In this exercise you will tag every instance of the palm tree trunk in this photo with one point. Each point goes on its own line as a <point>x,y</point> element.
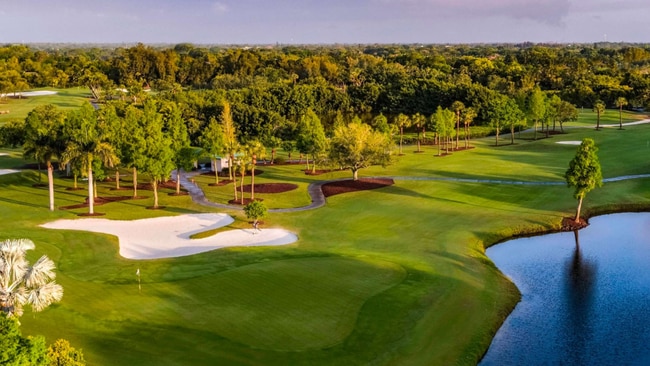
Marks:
<point>135,182</point>
<point>241,185</point>
<point>117,179</point>
<point>178,180</point>
<point>50,183</point>
<point>234,187</point>
<point>457,128</point>
<point>91,196</point>
<point>74,185</point>
<point>253,182</point>
<point>154,184</point>
<point>95,188</point>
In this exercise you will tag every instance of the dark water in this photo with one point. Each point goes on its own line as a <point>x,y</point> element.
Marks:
<point>585,297</point>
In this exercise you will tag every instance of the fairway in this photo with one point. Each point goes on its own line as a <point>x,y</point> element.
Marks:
<point>396,275</point>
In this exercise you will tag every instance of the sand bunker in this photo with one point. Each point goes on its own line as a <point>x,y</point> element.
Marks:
<point>569,142</point>
<point>35,93</point>
<point>166,237</point>
<point>8,171</point>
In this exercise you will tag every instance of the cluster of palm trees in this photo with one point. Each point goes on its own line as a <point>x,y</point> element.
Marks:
<point>152,139</point>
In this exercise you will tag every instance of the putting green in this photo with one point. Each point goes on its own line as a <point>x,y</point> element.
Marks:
<point>293,305</point>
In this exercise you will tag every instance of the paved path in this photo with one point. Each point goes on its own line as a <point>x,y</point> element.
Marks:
<point>318,199</point>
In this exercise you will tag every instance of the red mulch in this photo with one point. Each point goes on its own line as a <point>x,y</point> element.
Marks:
<point>271,187</point>
<point>347,186</point>
<point>246,201</point>
<point>569,224</point>
<point>182,193</point>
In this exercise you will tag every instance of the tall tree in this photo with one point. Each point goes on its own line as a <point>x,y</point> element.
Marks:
<point>444,120</point>
<point>402,121</point>
<point>458,107</point>
<point>468,118</point>
<point>230,135</point>
<point>88,138</point>
<point>537,107</point>
<point>584,173</point>
<point>22,284</point>
<point>254,150</point>
<point>175,128</point>
<point>419,121</point>
<point>213,144</point>
<point>311,137</point>
<point>599,108</point>
<point>620,103</point>
<point>357,146</point>
<point>157,151</point>
<point>44,139</point>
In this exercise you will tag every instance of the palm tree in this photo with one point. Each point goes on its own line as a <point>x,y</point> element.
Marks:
<point>88,136</point>
<point>458,108</point>
<point>620,103</point>
<point>254,150</point>
<point>402,121</point>
<point>43,139</point>
<point>21,284</point>
<point>599,108</point>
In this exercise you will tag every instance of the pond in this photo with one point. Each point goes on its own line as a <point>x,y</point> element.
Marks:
<point>585,296</point>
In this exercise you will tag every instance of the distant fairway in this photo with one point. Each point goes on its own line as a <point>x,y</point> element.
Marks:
<point>19,107</point>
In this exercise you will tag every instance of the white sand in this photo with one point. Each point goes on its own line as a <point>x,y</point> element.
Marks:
<point>8,171</point>
<point>166,237</point>
<point>569,142</point>
<point>35,93</point>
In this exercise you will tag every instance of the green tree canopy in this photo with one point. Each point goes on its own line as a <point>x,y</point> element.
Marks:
<point>357,146</point>
<point>584,173</point>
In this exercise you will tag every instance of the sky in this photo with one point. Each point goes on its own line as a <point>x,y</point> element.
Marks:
<point>323,21</point>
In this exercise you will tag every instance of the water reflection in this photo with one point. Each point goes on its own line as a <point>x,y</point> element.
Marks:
<point>585,296</point>
<point>579,292</point>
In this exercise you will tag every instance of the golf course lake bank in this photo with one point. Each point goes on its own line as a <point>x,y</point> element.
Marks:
<point>584,296</point>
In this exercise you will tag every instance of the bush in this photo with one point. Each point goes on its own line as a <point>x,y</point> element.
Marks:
<point>62,354</point>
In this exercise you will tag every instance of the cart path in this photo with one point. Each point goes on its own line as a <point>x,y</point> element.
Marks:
<point>318,198</point>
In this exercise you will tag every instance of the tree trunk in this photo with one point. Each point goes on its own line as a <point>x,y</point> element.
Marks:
<point>497,137</point>
<point>466,136</point>
<point>94,188</point>
<point>234,186</point>
<point>355,174</point>
<point>401,136</point>
<point>457,127</point>
<point>178,181</point>
<point>154,184</point>
<point>535,135</point>
<point>91,196</point>
<point>313,164</point>
<point>419,141</point>
<point>241,186</point>
<point>50,183</point>
<point>598,120</point>
<point>307,168</point>
<point>135,182</point>
<point>512,134</point>
<point>577,219</point>
<point>272,155</point>
<point>117,179</point>
<point>216,172</point>
<point>74,185</point>
<point>620,117</point>
<point>253,182</point>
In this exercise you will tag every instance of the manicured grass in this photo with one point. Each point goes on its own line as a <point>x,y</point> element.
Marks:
<point>65,99</point>
<point>587,117</point>
<point>390,276</point>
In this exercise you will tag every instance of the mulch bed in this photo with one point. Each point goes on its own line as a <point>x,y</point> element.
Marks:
<point>182,193</point>
<point>100,201</point>
<point>347,186</point>
<point>569,224</point>
<point>271,187</point>
<point>170,184</point>
<point>246,201</point>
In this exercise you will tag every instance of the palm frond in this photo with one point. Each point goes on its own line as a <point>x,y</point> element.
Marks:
<point>40,272</point>
<point>43,296</point>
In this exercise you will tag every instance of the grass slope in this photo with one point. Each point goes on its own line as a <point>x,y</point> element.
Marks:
<point>390,276</point>
<point>64,98</point>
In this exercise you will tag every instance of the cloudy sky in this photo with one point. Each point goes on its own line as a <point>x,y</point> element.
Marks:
<point>323,21</point>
